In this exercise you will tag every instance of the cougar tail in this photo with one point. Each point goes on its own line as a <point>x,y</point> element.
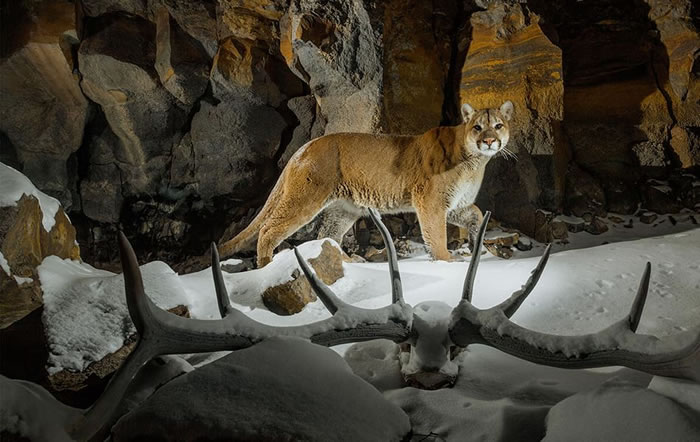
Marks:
<point>246,235</point>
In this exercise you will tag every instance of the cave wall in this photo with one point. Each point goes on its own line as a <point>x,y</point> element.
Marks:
<point>173,118</point>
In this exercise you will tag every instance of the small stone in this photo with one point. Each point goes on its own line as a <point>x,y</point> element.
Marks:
<point>524,244</point>
<point>292,296</point>
<point>356,258</point>
<point>375,255</point>
<point>648,217</point>
<point>234,268</point>
<point>500,251</point>
<point>596,226</point>
<point>616,219</point>
<point>504,239</point>
<point>560,230</point>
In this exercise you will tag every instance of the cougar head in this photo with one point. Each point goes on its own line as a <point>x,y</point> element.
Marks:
<point>488,130</point>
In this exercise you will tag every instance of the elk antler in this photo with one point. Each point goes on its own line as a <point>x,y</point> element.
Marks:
<point>161,332</point>
<point>675,356</point>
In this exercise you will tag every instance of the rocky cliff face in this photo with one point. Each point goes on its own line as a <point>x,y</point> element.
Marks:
<point>173,118</point>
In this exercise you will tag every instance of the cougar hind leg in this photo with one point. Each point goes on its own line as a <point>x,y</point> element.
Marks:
<point>337,219</point>
<point>286,218</point>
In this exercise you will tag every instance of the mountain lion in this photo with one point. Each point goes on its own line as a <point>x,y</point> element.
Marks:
<point>436,174</point>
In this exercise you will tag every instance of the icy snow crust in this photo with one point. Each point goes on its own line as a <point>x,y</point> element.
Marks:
<point>13,185</point>
<point>496,396</point>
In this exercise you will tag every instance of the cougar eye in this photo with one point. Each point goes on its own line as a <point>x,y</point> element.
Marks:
<point>499,126</point>
<point>477,128</point>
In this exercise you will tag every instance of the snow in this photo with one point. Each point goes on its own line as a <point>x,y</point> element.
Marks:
<point>585,288</point>
<point>680,390</point>
<point>618,411</point>
<point>4,265</point>
<point>13,185</point>
<point>23,280</point>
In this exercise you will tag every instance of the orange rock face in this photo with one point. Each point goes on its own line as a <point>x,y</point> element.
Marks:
<point>24,244</point>
<point>511,58</point>
<point>416,62</point>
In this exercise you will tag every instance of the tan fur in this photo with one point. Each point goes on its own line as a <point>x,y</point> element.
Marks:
<point>437,174</point>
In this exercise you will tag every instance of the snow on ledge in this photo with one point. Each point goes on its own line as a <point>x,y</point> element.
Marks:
<point>4,265</point>
<point>13,185</point>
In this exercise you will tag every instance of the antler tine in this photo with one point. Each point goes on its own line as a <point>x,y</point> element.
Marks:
<point>512,304</point>
<point>329,299</point>
<point>219,286</point>
<point>396,287</point>
<point>468,288</point>
<point>638,305</point>
<point>95,422</point>
<point>136,299</point>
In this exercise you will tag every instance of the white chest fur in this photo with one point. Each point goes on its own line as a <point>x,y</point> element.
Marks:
<point>465,189</point>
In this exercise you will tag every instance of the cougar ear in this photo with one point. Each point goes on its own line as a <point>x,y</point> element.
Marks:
<point>506,110</point>
<point>467,112</point>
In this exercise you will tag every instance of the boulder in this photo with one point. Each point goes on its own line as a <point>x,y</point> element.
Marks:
<point>233,146</point>
<point>87,325</point>
<point>316,397</point>
<point>181,61</point>
<point>251,19</point>
<point>94,8</point>
<point>24,243</point>
<point>584,194</point>
<point>416,63</point>
<point>117,64</point>
<point>674,21</point>
<point>311,125</point>
<point>83,387</point>
<point>686,145</point>
<point>198,19</point>
<point>249,69</point>
<point>42,111</point>
<point>101,189</point>
<point>341,64</point>
<point>292,296</point>
<point>597,414</point>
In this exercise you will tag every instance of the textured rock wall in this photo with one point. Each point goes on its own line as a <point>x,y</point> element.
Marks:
<point>173,118</point>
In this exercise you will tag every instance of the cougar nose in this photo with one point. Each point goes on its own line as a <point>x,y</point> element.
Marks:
<point>489,141</point>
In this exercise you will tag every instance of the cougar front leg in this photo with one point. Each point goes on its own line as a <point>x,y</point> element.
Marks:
<point>433,226</point>
<point>467,216</point>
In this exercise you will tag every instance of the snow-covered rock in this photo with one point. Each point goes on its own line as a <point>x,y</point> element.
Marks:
<point>14,185</point>
<point>279,389</point>
<point>85,312</point>
<point>28,410</point>
<point>621,412</point>
<point>32,226</point>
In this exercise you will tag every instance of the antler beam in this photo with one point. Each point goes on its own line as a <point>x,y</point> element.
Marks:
<point>675,356</point>
<point>161,332</point>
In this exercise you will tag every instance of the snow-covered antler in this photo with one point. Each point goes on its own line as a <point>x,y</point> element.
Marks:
<point>675,356</point>
<point>161,332</point>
